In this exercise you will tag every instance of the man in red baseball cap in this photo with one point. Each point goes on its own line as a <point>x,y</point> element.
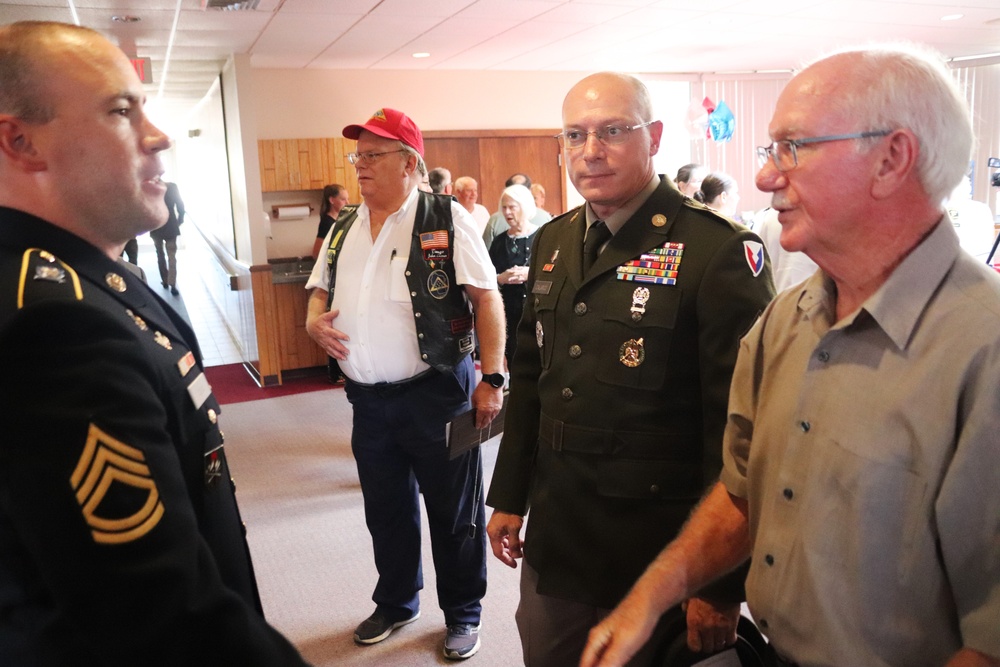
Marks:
<point>406,266</point>
<point>390,124</point>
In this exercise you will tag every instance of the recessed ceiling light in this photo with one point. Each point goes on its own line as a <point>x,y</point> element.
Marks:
<point>126,18</point>
<point>421,54</point>
<point>952,17</point>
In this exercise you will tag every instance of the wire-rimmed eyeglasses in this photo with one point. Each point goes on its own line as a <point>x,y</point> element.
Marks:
<point>784,152</point>
<point>611,135</point>
<point>370,156</point>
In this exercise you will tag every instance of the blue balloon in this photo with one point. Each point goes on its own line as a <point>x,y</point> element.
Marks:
<point>721,123</point>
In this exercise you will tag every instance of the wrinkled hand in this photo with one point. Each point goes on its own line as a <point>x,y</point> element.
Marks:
<point>487,401</point>
<point>613,641</point>
<point>320,329</point>
<point>711,626</point>
<point>504,530</point>
<point>515,275</point>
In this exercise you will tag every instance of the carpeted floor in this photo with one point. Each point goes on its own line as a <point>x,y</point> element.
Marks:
<point>299,495</point>
<point>232,383</point>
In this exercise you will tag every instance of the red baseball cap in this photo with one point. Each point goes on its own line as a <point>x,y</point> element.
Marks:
<point>390,124</point>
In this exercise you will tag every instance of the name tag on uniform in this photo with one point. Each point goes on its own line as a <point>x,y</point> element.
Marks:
<point>199,390</point>
<point>541,287</point>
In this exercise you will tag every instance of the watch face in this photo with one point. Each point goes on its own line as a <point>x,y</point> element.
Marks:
<point>495,380</point>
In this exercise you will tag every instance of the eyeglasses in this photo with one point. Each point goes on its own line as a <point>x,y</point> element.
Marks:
<point>785,155</point>
<point>612,135</point>
<point>369,157</point>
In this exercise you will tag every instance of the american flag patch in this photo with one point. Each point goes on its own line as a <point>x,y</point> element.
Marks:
<point>438,239</point>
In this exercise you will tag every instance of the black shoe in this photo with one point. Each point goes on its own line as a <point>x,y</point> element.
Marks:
<point>164,283</point>
<point>173,290</point>
<point>377,627</point>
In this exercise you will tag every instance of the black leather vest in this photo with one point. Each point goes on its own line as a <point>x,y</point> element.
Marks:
<point>441,312</point>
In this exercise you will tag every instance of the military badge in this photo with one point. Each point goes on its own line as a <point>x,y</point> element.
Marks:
<point>754,253</point>
<point>639,298</point>
<point>632,352</point>
<point>213,466</point>
<point>115,282</point>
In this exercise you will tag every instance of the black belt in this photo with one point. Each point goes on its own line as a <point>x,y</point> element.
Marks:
<point>387,389</point>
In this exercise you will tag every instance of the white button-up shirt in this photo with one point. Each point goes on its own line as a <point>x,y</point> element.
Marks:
<point>372,295</point>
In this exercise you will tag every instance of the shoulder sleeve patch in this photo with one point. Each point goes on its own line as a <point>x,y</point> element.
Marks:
<point>115,489</point>
<point>44,275</point>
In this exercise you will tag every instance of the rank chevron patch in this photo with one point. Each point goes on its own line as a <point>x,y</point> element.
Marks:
<point>115,489</point>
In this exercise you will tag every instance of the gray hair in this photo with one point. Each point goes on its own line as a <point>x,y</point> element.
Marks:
<point>909,86</point>
<point>421,165</point>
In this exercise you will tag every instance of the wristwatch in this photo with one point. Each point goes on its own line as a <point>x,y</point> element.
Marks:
<point>495,380</point>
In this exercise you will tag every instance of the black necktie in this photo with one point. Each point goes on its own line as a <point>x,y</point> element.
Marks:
<point>597,235</point>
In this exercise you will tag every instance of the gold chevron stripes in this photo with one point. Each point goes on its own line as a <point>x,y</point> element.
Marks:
<point>110,470</point>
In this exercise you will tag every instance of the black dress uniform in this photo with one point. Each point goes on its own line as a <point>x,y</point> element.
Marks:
<point>120,539</point>
<point>619,388</point>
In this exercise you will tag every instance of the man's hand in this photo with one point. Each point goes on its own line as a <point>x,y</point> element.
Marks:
<point>319,326</point>
<point>487,401</point>
<point>613,641</point>
<point>504,530</point>
<point>711,627</point>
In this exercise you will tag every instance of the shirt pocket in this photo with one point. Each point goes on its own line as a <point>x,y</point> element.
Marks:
<point>638,343</point>
<point>399,290</point>
<point>869,510</point>
<point>545,295</point>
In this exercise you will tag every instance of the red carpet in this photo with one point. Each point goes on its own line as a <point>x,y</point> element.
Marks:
<point>232,383</point>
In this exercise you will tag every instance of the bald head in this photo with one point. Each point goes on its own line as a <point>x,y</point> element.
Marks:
<point>602,86</point>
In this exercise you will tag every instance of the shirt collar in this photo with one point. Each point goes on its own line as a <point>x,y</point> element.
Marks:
<point>617,220</point>
<point>898,304</point>
<point>902,299</point>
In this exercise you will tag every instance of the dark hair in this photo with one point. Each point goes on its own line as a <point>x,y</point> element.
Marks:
<point>513,180</point>
<point>329,191</point>
<point>684,173</point>
<point>714,185</point>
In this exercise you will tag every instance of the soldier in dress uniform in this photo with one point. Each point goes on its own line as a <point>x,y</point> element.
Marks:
<point>120,539</point>
<point>619,379</point>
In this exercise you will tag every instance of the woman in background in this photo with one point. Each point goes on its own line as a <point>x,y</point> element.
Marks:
<point>719,192</point>
<point>334,199</point>
<point>510,253</point>
<point>689,177</point>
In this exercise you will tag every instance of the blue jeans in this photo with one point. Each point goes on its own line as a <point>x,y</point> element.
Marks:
<point>400,449</point>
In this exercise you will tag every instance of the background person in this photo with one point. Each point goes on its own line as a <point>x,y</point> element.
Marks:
<point>720,193</point>
<point>689,178</point>
<point>498,225</point>
<point>165,238</point>
<point>510,254</point>
<point>467,194</point>
<point>120,539</point>
<point>391,302</point>
<point>862,428</point>
<point>439,179</point>
<point>538,193</point>
<point>334,200</point>
<point>619,382</point>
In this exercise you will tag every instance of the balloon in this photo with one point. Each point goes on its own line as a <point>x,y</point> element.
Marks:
<point>721,123</point>
<point>696,120</point>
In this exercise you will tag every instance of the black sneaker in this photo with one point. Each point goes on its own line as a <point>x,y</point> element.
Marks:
<point>462,641</point>
<point>173,290</point>
<point>377,627</point>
